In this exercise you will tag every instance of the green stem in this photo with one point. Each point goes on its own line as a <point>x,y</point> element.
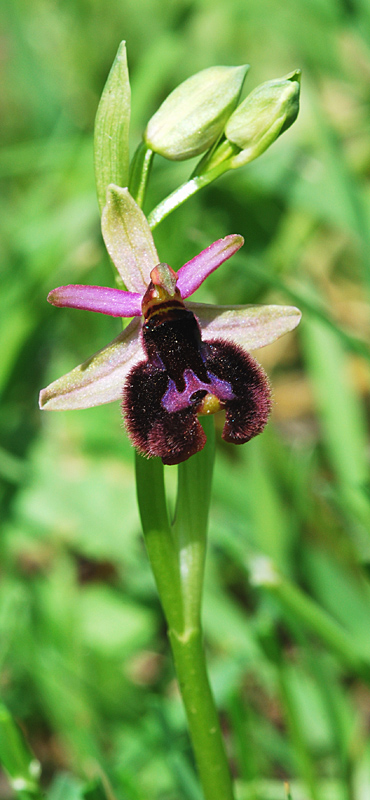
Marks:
<point>191,522</point>
<point>177,558</point>
<point>186,190</point>
<point>220,153</point>
<point>211,166</point>
<point>158,537</point>
<point>202,717</point>
<point>139,172</point>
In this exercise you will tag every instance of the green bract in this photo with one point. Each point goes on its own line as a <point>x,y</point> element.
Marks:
<point>111,136</point>
<point>194,115</point>
<point>266,113</point>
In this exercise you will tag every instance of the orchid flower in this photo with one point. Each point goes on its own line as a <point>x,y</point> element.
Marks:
<point>175,360</point>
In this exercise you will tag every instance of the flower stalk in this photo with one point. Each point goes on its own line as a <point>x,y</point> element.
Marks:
<point>177,556</point>
<point>139,172</point>
<point>191,523</point>
<point>183,193</point>
<point>204,726</point>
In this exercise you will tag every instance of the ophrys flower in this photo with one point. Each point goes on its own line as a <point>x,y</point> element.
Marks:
<point>175,360</point>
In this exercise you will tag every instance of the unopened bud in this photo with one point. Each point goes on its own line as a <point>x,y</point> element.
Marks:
<point>264,115</point>
<point>194,115</point>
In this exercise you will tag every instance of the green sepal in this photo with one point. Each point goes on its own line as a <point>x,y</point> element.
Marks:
<point>128,239</point>
<point>101,378</point>
<point>250,327</point>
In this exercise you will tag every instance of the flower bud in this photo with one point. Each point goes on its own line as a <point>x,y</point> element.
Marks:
<point>193,116</point>
<point>266,113</point>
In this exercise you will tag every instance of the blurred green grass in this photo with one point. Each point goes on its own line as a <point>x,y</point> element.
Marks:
<point>84,663</point>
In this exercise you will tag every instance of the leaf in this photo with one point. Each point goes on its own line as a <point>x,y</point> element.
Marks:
<point>20,764</point>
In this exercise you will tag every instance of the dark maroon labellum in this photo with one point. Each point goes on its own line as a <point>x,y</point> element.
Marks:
<point>184,377</point>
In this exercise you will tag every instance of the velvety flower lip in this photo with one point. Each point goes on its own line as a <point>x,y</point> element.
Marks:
<point>175,360</point>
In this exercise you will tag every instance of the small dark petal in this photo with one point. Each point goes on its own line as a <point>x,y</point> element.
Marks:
<point>247,413</point>
<point>173,437</point>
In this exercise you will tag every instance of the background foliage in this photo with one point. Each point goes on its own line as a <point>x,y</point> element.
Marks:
<point>84,663</point>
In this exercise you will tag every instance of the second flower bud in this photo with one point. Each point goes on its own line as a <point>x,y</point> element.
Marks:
<point>264,115</point>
